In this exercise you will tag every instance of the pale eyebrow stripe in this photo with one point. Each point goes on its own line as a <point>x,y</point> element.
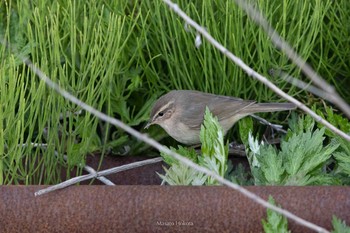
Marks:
<point>162,109</point>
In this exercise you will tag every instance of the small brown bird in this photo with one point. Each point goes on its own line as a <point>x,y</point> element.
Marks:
<point>181,112</point>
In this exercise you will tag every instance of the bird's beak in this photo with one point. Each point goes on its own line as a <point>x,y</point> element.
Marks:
<point>148,125</point>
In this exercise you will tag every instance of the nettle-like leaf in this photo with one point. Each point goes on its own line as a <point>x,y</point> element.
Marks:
<point>272,165</point>
<point>339,226</point>
<point>300,124</point>
<point>180,174</point>
<point>214,151</point>
<point>343,162</point>
<point>301,146</point>
<point>342,156</point>
<point>275,222</point>
<point>212,164</point>
<point>299,161</point>
<point>189,153</point>
<point>324,153</point>
<point>305,155</point>
<point>337,120</point>
<point>254,148</point>
<point>253,153</point>
<point>214,157</point>
<point>245,126</point>
<point>239,175</point>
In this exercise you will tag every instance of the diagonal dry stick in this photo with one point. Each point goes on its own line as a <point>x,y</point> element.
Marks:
<point>302,85</point>
<point>97,175</point>
<point>281,44</point>
<point>252,72</point>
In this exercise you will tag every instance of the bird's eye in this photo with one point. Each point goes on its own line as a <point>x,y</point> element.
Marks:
<point>161,114</point>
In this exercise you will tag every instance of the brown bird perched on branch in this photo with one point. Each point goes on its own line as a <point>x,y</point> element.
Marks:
<point>181,112</point>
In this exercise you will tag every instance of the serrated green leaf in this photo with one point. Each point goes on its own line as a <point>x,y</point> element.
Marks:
<point>292,152</point>
<point>319,158</point>
<point>189,153</point>
<point>300,124</point>
<point>214,151</point>
<point>335,119</point>
<point>304,148</point>
<point>300,160</point>
<point>180,174</point>
<point>275,222</point>
<point>239,175</point>
<point>339,226</point>
<point>343,161</point>
<point>271,165</point>
<point>245,126</point>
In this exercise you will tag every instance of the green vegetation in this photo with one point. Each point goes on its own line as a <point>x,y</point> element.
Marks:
<point>119,56</point>
<point>339,226</point>
<point>213,156</point>
<point>300,161</point>
<point>306,157</point>
<point>277,223</point>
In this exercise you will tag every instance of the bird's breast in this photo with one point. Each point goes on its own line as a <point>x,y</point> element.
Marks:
<point>181,133</point>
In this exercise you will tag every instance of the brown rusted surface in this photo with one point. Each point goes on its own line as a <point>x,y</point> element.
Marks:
<point>162,208</point>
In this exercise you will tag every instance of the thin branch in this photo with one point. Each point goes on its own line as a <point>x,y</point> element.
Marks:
<point>281,44</point>
<point>103,179</point>
<point>303,85</point>
<point>91,171</point>
<point>278,128</point>
<point>106,172</point>
<point>253,73</point>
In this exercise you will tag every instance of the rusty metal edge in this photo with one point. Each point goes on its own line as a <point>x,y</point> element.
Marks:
<point>162,208</point>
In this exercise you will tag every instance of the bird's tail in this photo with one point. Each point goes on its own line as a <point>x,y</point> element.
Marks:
<point>270,107</point>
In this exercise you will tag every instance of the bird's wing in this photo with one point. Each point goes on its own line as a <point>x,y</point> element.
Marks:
<point>222,107</point>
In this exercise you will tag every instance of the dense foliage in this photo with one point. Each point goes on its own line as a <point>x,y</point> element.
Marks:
<point>119,56</point>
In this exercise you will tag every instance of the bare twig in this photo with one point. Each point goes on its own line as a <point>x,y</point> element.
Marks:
<point>281,44</point>
<point>100,178</point>
<point>97,174</point>
<point>304,86</point>
<point>278,128</point>
<point>253,73</point>
<point>91,171</point>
